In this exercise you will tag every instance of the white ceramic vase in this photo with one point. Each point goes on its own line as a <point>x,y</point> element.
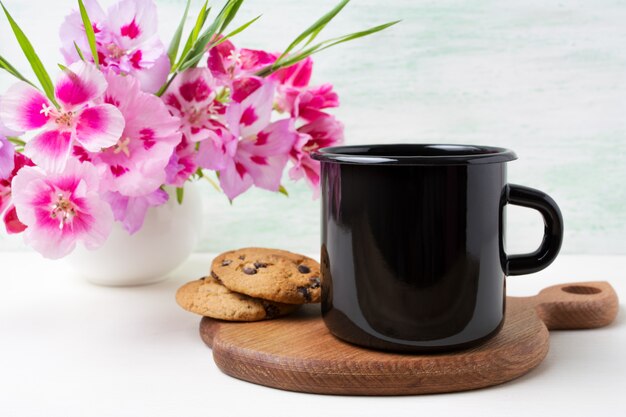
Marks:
<point>169,234</point>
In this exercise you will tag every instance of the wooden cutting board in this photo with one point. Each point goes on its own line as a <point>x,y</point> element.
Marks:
<point>298,353</point>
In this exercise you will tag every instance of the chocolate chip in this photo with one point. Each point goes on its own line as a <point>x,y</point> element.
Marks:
<point>249,270</point>
<point>304,291</point>
<point>258,264</point>
<point>271,310</point>
<point>303,269</point>
<point>242,257</point>
<point>315,282</point>
<point>215,277</point>
<point>202,279</point>
<point>226,262</point>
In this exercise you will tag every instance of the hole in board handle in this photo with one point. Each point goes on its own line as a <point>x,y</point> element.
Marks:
<point>581,289</point>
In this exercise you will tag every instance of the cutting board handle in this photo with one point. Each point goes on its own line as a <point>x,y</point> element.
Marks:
<point>580,305</point>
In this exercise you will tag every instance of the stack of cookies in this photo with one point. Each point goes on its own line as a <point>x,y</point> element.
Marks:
<point>253,284</point>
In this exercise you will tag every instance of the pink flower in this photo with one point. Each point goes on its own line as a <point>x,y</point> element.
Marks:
<point>6,157</point>
<point>135,164</point>
<point>131,211</point>
<point>296,75</point>
<point>307,102</point>
<point>192,97</point>
<point>262,148</point>
<point>182,163</point>
<point>126,38</point>
<point>77,120</point>
<point>11,222</point>
<point>62,209</point>
<point>322,132</point>
<point>227,62</point>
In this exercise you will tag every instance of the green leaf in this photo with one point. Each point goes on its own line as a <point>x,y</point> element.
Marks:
<point>283,191</point>
<point>230,15</point>
<point>91,36</point>
<point>193,35</point>
<point>316,27</point>
<point>80,53</point>
<point>282,63</point>
<point>180,193</point>
<point>5,65</point>
<point>33,59</point>
<point>198,49</point>
<point>235,32</point>
<point>172,51</point>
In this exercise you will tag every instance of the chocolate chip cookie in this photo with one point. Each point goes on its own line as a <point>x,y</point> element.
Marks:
<point>208,297</point>
<point>270,274</point>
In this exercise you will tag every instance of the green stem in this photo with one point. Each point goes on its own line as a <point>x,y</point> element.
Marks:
<point>166,85</point>
<point>16,141</point>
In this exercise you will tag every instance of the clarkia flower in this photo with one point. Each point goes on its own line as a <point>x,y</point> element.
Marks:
<point>62,209</point>
<point>77,120</point>
<point>228,62</point>
<point>262,147</point>
<point>135,164</point>
<point>182,164</point>
<point>193,97</point>
<point>6,157</point>
<point>322,132</point>
<point>126,40</point>
<point>307,103</point>
<point>131,211</point>
<point>297,75</point>
<point>11,222</point>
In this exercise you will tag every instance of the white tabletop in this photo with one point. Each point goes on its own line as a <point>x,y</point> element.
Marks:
<point>69,348</point>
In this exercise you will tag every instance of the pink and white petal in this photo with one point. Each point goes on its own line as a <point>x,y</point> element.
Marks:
<point>131,211</point>
<point>12,223</point>
<point>235,179</point>
<point>277,138</point>
<point>255,59</point>
<point>243,87</point>
<point>266,171</point>
<point>80,83</point>
<point>52,243</point>
<point>215,152</point>
<point>154,77</point>
<point>27,187</point>
<point>132,21</point>
<point>120,90</point>
<point>21,107</point>
<point>255,110</point>
<point>99,127</point>
<point>86,176</point>
<point>7,159</point>
<point>309,169</point>
<point>5,131</point>
<point>217,61</point>
<point>324,131</point>
<point>72,30</point>
<point>100,222</point>
<point>296,75</point>
<point>135,179</point>
<point>50,150</point>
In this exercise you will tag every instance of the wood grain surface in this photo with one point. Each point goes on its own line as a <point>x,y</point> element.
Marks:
<point>298,353</point>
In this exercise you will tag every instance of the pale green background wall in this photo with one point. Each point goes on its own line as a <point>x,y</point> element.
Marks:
<point>546,78</point>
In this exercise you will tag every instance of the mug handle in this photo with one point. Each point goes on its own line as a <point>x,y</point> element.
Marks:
<point>552,235</point>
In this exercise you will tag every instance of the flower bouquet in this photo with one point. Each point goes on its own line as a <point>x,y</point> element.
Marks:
<point>127,117</point>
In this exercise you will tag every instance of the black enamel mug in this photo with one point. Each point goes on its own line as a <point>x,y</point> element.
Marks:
<point>413,255</point>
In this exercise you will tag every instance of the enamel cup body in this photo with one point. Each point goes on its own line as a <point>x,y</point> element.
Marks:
<point>413,257</point>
